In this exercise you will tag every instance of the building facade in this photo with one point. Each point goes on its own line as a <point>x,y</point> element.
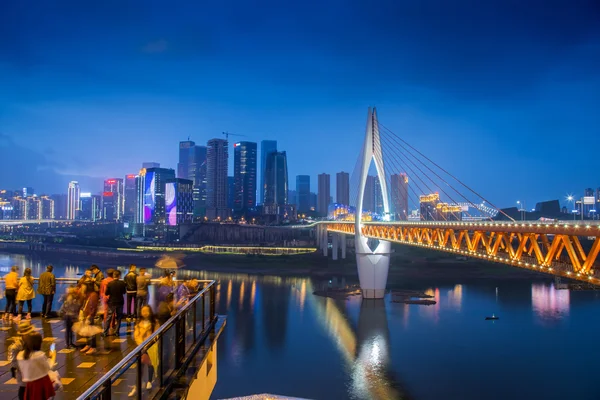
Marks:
<point>73,205</point>
<point>399,194</point>
<point>216,179</point>
<point>342,183</point>
<point>130,195</point>
<point>324,194</point>
<point>244,175</point>
<point>154,194</point>
<point>179,201</point>
<point>114,195</point>
<point>266,147</point>
<point>303,193</point>
<point>276,183</point>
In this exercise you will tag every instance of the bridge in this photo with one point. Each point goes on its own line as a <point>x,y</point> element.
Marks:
<point>444,222</point>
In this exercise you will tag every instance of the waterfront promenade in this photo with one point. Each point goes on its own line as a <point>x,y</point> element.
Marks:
<point>78,371</point>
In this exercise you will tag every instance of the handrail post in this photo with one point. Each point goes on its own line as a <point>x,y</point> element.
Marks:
<point>139,377</point>
<point>212,302</point>
<point>160,360</point>
<point>203,311</point>
<point>106,392</point>
<point>195,308</point>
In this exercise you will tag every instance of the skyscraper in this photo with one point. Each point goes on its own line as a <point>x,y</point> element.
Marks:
<point>276,182</point>
<point>216,179</point>
<point>60,205</point>
<point>378,196</point>
<point>186,158</point>
<point>197,174</point>
<point>46,207</point>
<point>113,210</point>
<point>244,175</point>
<point>342,193</point>
<point>399,189</point>
<point>369,196</point>
<point>303,193</point>
<point>323,194</point>
<point>179,201</point>
<point>266,147</point>
<point>91,207</point>
<point>130,198</point>
<point>154,194</point>
<point>73,200</point>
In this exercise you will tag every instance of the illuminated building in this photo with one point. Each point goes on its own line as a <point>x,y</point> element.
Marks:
<point>154,194</point>
<point>73,200</point>
<point>130,194</point>
<point>185,159</point>
<point>60,206</point>
<point>91,207</point>
<point>276,183</point>
<point>217,156</point>
<point>179,201</point>
<point>34,208</point>
<point>197,174</point>
<point>432,209</point>
<point>323,194</point>
<point>341,212</point>
<point>342,183</point>
<point>266,147</point>
<point>378,196</point>
<point>113,210</point>
<point>303,193</point>
<point>28,192</point>
<point>244,175</point>
<point>399,194</point>
<point>19,206</point>
<point>140,180</point>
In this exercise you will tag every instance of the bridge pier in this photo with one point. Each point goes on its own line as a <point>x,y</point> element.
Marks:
<point>335,239</point>
<point>343,238</point>
<point>324,241</point>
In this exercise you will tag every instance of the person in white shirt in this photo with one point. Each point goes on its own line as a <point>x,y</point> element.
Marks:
<point>35,366</point>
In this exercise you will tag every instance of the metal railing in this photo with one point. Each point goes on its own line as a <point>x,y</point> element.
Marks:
<point>183,332</point>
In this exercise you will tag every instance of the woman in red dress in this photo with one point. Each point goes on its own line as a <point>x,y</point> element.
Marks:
<point>34,367</point>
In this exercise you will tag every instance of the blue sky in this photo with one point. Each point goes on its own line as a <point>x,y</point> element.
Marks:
<point>505,94</point>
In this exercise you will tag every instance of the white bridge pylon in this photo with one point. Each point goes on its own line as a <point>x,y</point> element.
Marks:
<point>373,265</point>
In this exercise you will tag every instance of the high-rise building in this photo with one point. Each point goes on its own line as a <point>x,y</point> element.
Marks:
<point>230,192</point>
<point>186,158</point>
<point>34,208</point>
<point>342,183</point>
<point>197,175</point>
<point>292,198</point>
<point>154,194</point>
<point>113,210</point>
<point>179,201</point>
<point>28,192</point>
<point>266,147</point>
<point>588,206</point>
<point>150,165</point>
<point>73,200</point>
<point>313,201</point>
<point>244,174</point>
<point>140,191</point>
<point>60,206</point>
<point>276,183</point>
<point>369,196</point>
<point>216,179</point>
<point>129,198</point>
<point>19,207</point>
<point>323,194</point>
<point>91,207</point>
<point>303,193</point>
<point>378,196</point>
<point>46,207</point>
<point>399,189</point>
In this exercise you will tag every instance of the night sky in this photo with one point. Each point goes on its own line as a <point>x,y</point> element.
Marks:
<point>505,94</point>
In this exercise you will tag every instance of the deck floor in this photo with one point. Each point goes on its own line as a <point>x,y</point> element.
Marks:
<point>78,371</point>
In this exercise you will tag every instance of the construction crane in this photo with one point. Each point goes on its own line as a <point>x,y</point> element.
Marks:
<point>232,134</point>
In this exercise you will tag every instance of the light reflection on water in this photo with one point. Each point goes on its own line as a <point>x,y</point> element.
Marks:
<point>280,338</point>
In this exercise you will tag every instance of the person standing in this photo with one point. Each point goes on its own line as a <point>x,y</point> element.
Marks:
<point>98,276</point>
<point>47,288</point>
<point>90,308</point>
<point>103,296</point>
<point>142,282</point>
<point>116,290</point>
<point>69,312</point>
<point>131,284</point>
<point>35,366</point>
<point>11,281</point>
<point>25,293</point>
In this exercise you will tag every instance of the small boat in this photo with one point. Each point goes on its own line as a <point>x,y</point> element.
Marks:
<point>492,318</point>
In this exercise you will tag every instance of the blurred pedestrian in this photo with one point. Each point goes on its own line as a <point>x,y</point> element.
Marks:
<point>25,328</point>
<point>103,296</point>
<point>116,290</point>
<point>142,282</point>
<point>69,312</point>
<point>131,285</point>
<point>98,276</point>
<point>35,366</point>
<point>144,328</point>
<point>11,283</point>
<point>47,288</point>
<point>25,293</point>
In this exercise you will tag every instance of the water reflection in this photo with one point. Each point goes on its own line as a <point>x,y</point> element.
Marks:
<point>548,303</point>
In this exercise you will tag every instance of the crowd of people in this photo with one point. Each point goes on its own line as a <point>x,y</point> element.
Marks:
<point>94,294</point>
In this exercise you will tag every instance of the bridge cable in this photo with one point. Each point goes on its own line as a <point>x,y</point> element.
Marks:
<point>448,173</point>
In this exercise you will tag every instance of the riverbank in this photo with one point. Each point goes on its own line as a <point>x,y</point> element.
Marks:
<point>407,263</point>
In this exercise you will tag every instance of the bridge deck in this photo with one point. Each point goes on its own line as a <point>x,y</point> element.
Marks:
<point>78,371</point>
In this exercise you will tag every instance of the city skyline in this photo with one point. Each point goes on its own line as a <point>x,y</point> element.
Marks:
<point>511,93</point>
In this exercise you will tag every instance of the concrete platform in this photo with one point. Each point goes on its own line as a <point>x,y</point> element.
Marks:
<point>78,371</point>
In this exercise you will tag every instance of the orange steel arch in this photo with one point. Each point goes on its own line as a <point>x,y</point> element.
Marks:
<point>551,248</point>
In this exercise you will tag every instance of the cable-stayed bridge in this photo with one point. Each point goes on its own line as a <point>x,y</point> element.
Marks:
<point>418,202</point>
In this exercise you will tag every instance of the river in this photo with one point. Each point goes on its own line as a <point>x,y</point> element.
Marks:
<point>282,339</point>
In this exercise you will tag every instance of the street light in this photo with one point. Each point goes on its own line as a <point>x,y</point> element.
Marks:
<point>571,199</point>
<point>521,209</point>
